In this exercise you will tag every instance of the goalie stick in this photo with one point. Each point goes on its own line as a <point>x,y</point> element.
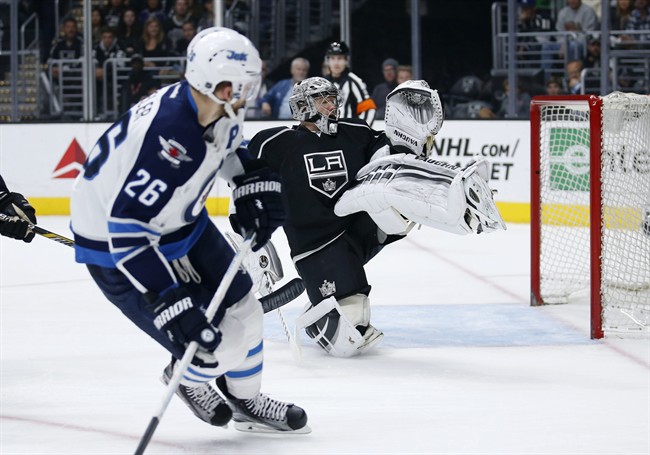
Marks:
<point>270,302</point>
<point>44,232</point>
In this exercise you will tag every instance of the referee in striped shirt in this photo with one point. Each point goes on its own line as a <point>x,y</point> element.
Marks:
<point>355,100</point>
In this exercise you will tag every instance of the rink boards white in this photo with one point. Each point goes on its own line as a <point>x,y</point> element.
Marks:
<point>42,160</point>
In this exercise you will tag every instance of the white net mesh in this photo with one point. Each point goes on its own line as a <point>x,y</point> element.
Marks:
<point>625,201</point>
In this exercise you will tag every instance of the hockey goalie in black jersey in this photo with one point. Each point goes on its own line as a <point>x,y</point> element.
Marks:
<point>351,190</point>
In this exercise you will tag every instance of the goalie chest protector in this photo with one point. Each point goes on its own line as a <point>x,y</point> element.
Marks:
<point>316,170</point>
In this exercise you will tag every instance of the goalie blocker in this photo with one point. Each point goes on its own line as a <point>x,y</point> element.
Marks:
<point>400,188</point>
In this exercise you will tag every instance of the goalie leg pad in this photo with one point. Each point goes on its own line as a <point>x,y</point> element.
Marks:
<point>341,328</point>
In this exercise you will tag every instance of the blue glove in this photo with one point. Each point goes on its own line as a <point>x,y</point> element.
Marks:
<point>178,316</point>
<point>258,203</point>
<point>22,214</point>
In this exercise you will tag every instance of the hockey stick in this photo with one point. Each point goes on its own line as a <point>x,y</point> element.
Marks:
<point>43,232</point>
<point>182,365</point>
<point>296,351</point>
<point>283,295</point>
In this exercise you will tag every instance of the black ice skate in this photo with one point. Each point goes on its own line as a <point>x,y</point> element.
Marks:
<point>204,401</point>
<point>263,414</point>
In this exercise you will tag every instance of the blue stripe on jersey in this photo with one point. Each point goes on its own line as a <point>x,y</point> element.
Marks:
<point>256,349</point>
<point>119,227</point>
<point>245,373</point>
<point>172,246</point>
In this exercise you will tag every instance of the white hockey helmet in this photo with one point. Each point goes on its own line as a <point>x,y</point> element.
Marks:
<point>219,54</point>
<point>305,100</point>
<point>413,116</point>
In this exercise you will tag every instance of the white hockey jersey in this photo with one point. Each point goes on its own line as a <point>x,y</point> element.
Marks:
<point>140,200</point>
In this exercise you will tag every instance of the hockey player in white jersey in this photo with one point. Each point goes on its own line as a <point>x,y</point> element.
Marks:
<point>141,227</point>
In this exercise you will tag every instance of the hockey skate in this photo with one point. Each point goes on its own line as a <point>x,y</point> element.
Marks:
<point>204,401</point>
<point>263,414</point>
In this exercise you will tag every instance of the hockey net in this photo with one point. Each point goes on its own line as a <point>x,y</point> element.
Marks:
<point>590,207</point>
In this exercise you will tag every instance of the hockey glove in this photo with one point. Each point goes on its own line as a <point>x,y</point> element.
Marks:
<point>179,317</point>
<point>22,215</point>
<point>258,203</point>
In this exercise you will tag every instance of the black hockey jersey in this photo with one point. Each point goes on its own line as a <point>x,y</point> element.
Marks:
<point>316,169</point>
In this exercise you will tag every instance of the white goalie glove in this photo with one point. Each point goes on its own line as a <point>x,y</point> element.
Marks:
<point>263,265</point>
<point>403,187</point>
<point>413,117</point>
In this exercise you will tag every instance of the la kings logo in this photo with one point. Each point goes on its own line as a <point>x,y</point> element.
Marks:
<point>327,172</point>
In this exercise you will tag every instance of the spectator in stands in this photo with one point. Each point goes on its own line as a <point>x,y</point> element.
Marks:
<point>592,59</point>
<point>554,86</point>
<point>620,14</point>
<point>153,8</point>
<point>174,24</point>
<point>195,8</point>
<point>379,93</point>
<point>69,46</point>
<point>129,31</point>
<point>107,48</point>
<point>404,73</point>
<point>154,43</point>
<point>639,19</point>
<point>355,99</point>
<point>275,103</point>
<point>206,19</point>
<point>189,32</point>
<point>113,12</point>
<point>522,102</point>
<point>532,21</point>
<point>141,83</point>
<point>575,17</point>
<point>97,21</point>
<point>573,83</point>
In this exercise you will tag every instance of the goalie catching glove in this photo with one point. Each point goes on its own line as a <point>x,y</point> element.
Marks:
<point>21,214</point>
<point>405,187</point>
<point>258,202</point>
<point>413,117</point>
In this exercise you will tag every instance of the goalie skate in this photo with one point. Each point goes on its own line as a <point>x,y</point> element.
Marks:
<point>204,401</point>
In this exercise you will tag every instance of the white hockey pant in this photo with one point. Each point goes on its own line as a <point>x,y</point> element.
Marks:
<point>401,187</point>
<point>240,354</point>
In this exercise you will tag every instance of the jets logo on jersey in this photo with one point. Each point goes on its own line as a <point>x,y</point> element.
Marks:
<point>173,152</point>
<point>327,172</point>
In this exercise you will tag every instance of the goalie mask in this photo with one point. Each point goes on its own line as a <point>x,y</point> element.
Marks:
<point>316,100</point>
<point>413,117</point>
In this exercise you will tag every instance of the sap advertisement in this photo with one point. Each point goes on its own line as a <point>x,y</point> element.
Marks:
<point>42,160</point>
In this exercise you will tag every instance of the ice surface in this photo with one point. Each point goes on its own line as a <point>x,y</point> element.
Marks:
<point>466,366</point>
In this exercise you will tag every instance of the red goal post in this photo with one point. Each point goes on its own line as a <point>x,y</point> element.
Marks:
<point>590,207</point>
